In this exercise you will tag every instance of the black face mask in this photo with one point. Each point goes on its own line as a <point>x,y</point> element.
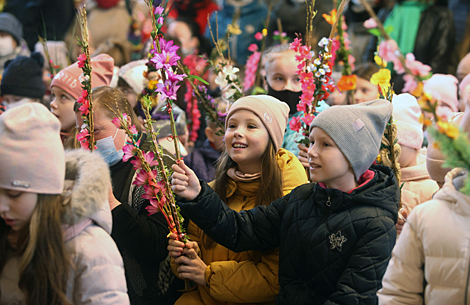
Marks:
<point>291,98</point>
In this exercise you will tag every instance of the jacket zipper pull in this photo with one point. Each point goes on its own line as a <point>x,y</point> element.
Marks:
<point>328,202</point>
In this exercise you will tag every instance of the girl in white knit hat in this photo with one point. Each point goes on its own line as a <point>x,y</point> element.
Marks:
<point>55,218</point>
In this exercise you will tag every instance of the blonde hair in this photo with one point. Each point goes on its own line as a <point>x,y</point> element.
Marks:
<point>273,53</point>
<point>44,262</point>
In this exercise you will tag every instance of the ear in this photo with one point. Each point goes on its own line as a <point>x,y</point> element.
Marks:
<point>209,134</point>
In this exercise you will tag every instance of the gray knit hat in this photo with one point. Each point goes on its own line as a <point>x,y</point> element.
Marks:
<point>357,130</point>
<point>11,25</point>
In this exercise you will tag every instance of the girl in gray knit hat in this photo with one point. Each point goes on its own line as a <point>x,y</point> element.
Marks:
<point>336,235</point>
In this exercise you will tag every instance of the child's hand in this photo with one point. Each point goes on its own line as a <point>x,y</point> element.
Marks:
<point>185,183</point>
<point>303,155</point>
<point>402,216</point>
<point>178,248</point>
<point>192,267</point>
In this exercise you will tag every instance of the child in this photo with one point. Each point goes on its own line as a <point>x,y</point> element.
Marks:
<point>365,90</point>
<point>141,239</point>
<point>131,80</point>
<point>418,187</point>
<point>12,43</point>
<point>283,82</point>
<point>335,236</point>
<point>202,159</point>
<point>66,89</point>
<point>56,247</point>
<point>22,81</point>
<point>252,171</point>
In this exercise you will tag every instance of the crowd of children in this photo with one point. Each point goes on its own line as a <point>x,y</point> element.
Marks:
<point>273,214</point>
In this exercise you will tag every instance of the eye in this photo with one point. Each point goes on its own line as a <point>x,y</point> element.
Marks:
<point>252,126</point>
<point>312,142</point>
<point>326,144</point>
<point>13,194</point>
<point>64,97</point>
<point>231,125</point>
<point>278,79</point>
<point>297,79</point>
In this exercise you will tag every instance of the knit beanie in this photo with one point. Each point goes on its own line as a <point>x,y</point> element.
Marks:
<point>357,130</point>
<point>32,158</point>
<point>463,69</point>
<point>133,74</point>
<point>12,26</point>
<point>406,113</point>
<point>101,74</point>
<point>435,158</point>
<point>23,77</point>
<point>271,111</point>
<point>57,52</point>
<point>443,88</point>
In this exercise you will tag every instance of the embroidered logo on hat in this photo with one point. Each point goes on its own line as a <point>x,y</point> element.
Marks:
<point>268,118</point>
<point>357,125</point>
<point>19,183</point>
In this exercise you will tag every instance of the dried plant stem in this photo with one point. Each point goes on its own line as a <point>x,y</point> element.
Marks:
<point>263,45</point>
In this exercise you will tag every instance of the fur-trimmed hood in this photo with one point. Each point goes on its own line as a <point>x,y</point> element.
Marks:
<point>87,185</point>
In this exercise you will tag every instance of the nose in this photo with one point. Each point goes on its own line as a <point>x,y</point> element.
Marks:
<point>53,104</point>
<point>288,85</point>
<point>239,132</point>
<point>357,96</point>
<point>312,151</point>
<point>4,207</point>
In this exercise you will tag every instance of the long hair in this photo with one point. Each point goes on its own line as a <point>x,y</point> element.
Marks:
<point>43,260</point>
<point>270,187</point>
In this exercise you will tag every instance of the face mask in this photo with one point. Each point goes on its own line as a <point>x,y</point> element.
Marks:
<point>9,106</point>
<point>107,150</point>
<point>6,45</point>
<point>291,98</point>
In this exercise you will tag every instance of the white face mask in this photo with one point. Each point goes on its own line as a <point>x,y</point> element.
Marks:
<point>6,45</point>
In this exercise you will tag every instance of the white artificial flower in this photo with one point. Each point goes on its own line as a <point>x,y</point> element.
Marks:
<point>221,79</point>
<point>318,74</point>
<point>229,93</point>
<point>317,61</point>
<point>322,72</point>
<point>230,71</point>
<point>323,42</point>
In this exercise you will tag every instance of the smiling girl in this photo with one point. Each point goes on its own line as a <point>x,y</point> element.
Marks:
<point>55,218</point>
<point>252,171</point>
<point>335,236</point>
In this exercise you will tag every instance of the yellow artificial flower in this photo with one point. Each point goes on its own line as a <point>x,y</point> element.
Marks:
<point>330,18</point>
<point>379,61</point>
<point>418,90</point>
<point>153,84</point>
<point>424,121</point>
<point>265,32</point>
<point>425,101</point>
<point>234,30</point>
<point>448,129</point>
<point>379,159</point>
<point>382,78</point>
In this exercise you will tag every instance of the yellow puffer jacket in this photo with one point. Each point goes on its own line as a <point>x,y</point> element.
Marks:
<point>249,277</point>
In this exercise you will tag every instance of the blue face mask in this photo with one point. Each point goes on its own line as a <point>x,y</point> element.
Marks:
<point>108,151</point>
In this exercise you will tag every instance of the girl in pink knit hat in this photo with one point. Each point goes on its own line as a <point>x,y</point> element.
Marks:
<point>252,171</point>
<point>66,89</point>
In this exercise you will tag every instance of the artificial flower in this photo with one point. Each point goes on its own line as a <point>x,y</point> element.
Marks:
<point>308,118</point>
<point>234,29</point>
<point>347,82</point>
<point>221,79</point>
<point>387,49</point>
<point>158,10</point>
<point>129,151</point>
<point>295,45</point>
<point>166,46</point>
<point>370,23</point>
<point>230,72</point>
<point>331,18</point>
<point>168,89</point>
<point>229,93</point>
<point>295,124</point>
<point>323,42</point>
<point>164,59</point>
<point>448,129</point>
<point>253,47</point>
<point>416,67</point>
<point>81,60</point>
<point>84,108</point>
<point>258,36</point>
<point>410,83</point>
<point>116,122</point>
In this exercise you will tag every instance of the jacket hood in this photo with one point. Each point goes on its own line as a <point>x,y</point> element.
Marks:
<point>87,184</point>
<point>451,194</point>
<point>381,191</point>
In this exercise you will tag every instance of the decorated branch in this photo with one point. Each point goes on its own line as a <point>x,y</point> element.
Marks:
<point>415,71</point>
<point>452,141</point>
<point>152,173</point>
<point>52,67</point>
<point>86,135</point>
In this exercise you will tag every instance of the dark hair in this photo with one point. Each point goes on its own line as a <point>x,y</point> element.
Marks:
<point>204,45</point>
<point>44,262</point>
<point>366,70</point>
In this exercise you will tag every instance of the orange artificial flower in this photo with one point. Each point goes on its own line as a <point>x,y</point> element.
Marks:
<point>347,82</point>
<point>418,91</point>
<point>448,129</point>
<point>424,121</point>
<point>330,18</point>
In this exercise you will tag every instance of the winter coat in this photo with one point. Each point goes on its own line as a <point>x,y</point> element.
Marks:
<point>431,261</point>
<point>334,246</point>
<point>202,161</point>
<point>418,187</point>
<point>97,272</point>
<point>142,239</point>
<point>247,277</point>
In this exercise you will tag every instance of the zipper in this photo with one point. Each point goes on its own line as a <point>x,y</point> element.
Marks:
<point>328,202</point>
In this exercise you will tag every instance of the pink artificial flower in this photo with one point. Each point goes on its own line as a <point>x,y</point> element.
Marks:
<point>295,45</point>
<point>308,118</point>
<point>387,50</point>
<point>258,36</point>
<point>84,108</point>
<point>116,122</point>
<point>133,130</point>
<point>81,60</point>
<point>141,178</point>
<point>351,60</point>
<point>444,112</point>
<point>83,97</point>
<point>308,87</point>
<point>164,59</point>
<point>276,33</point>
<point>152,209</point>
<point>158,10</point>
<point>306,77</point>
<point>334,47</point>
<point>82,137</point>
<point>370,23</point>
<point>168,89</point>
<point>174,77</point>
<point>397,66</point>
<point>166,46</point>
<point>416,67</point>
<point>410,83</point>
<point>295,124</point>
<point>305,52</point>
<point>129,152</point>
<point>306,98</point>
<point>253,47</point>
<point>160,20</point>
<point>148,157</point>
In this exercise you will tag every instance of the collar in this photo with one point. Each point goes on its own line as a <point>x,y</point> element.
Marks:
<point>363,180</point>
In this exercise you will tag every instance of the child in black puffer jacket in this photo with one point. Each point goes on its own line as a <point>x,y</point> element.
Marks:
<point>335,236</point>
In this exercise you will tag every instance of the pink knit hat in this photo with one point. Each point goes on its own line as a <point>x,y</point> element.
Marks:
<point>463,69</point>
<point>101,74</point>
<point>271,111</point>
<point>406,113</point>
<point>435,159</point>
<point>32,157</point>
<point>443,88</point>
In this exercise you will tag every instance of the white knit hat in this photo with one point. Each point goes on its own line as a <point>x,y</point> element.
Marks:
<point>406,113</point>
<point>32,155</point>
<point>133,74</point>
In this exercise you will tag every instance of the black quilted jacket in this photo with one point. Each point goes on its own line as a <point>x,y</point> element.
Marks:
<point>334,246</point>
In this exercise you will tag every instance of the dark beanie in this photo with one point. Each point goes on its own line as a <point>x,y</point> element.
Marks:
<point>11,25</point>
<point>23,77</point>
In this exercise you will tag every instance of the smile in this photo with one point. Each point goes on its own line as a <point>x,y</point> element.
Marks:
<point>238,145</point>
